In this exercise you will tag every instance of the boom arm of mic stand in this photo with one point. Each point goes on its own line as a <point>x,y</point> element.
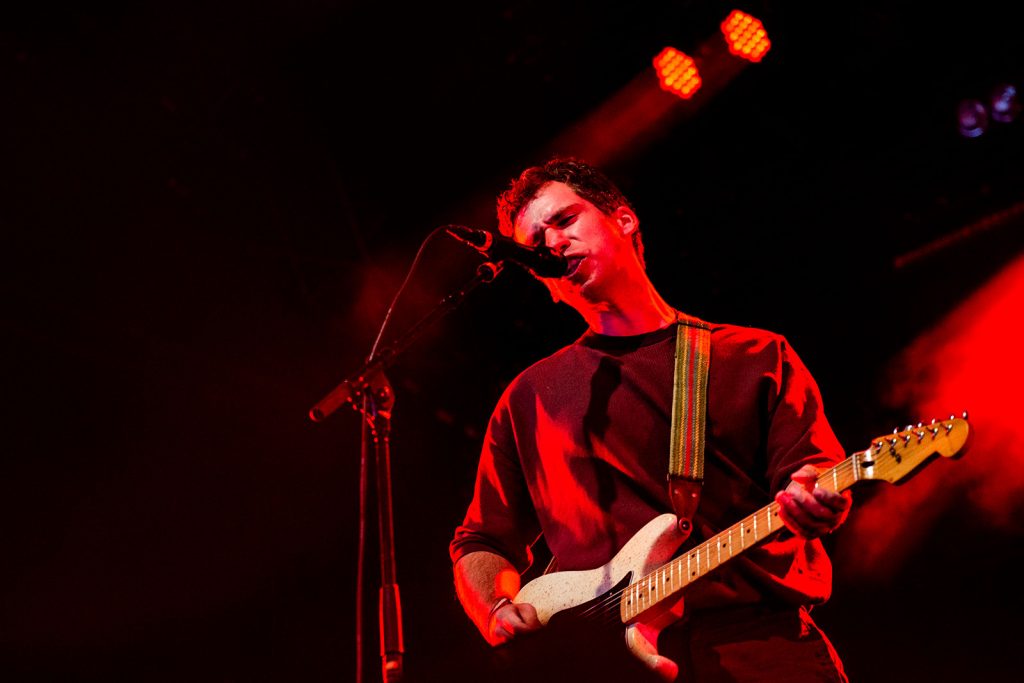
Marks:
<point>355,386</point>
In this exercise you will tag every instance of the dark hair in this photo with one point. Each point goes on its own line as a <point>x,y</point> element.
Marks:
<point>585,180</point>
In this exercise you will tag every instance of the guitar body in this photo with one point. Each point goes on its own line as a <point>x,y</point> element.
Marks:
<point>597,589</point>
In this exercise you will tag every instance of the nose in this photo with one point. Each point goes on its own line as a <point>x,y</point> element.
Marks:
<point>556,240</point>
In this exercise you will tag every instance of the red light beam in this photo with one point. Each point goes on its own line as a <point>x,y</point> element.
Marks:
<point>970,360</point>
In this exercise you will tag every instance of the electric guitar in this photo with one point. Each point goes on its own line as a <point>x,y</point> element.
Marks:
<point>640,586</point>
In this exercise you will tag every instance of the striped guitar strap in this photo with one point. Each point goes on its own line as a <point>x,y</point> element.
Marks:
<point>689,411</point>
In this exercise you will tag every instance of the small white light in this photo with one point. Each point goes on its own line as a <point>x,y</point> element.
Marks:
<point>1004,103</point>
<point>973,118</point>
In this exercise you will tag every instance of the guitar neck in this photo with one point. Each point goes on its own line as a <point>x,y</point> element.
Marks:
<point>890,458</point>
<point>672,577</point>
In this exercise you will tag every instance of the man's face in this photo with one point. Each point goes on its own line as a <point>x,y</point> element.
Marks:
<point>599,247</point>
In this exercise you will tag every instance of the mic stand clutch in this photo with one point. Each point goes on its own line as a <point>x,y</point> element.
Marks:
<point>369,391</point>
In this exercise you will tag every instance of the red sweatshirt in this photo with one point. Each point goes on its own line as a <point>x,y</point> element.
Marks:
<point>577,449</point>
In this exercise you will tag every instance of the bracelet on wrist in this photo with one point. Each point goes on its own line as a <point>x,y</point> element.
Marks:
<point>498,604</point>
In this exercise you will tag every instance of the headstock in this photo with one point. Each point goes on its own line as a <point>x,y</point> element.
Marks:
<point>893,456</point>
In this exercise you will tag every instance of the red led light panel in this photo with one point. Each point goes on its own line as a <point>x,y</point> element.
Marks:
<point>745,36</point>
<point>677,73</point>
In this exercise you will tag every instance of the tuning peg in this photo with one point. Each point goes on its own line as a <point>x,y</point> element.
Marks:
<point>920,424</point>
<point>965,414</point>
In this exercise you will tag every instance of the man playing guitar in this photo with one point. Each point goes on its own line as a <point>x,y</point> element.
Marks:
<point>577,449</point>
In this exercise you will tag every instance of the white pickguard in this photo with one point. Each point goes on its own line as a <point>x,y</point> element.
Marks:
<point>648,549</point>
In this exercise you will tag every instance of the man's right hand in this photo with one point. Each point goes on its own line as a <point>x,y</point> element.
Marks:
<point>511,620</point>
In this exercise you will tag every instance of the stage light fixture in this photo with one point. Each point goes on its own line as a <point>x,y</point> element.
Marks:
<point>972,118</point>
<point>1004,104</point>
<point>746,36</point>
<point>677,73</point>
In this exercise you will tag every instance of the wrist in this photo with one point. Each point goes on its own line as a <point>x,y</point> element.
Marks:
<point>498,604</point>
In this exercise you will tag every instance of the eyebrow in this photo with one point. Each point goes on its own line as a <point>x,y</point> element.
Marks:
<point>560,214</point>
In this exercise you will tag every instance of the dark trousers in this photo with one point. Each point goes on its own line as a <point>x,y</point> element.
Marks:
<point>731,645</point>
<point>740,644</point>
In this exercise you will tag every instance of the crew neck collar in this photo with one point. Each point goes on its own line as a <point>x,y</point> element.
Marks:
<point>626,342</point>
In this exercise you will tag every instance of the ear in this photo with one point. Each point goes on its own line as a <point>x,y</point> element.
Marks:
<point>627,221</point>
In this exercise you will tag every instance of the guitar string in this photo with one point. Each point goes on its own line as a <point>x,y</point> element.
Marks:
<point>608,609</point>
<point>610,605</point>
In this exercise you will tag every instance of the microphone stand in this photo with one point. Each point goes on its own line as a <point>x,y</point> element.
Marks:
<point>368,391</point>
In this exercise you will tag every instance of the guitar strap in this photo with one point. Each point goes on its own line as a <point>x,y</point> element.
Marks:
<point>689,411</point>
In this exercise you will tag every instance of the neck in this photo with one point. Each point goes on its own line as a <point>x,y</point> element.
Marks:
<point>636,309</point>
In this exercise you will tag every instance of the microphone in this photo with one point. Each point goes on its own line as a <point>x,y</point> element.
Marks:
<point>543,261</point>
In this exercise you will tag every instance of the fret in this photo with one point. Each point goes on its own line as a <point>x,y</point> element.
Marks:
<point>835,481</point>
<point>755,527</point>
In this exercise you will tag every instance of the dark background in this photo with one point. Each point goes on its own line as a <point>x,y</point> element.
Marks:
<point>208,207</point>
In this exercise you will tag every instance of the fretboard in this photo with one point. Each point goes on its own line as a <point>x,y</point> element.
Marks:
<point>672,577</point>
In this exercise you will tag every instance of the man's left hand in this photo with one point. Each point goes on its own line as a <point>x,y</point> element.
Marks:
<point>810,511</point>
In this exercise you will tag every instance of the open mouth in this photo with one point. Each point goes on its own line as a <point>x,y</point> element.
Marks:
<point>574,265</point>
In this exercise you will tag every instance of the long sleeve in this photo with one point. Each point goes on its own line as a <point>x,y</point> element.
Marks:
<point>501,516</point>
